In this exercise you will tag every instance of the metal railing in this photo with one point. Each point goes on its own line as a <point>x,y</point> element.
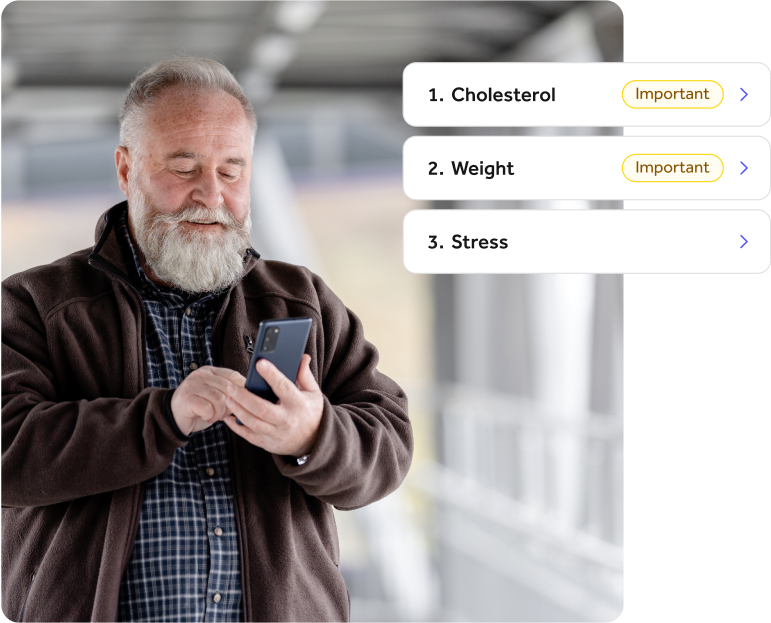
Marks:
<point>532,495</point>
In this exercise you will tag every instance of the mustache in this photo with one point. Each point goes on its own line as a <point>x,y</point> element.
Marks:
<point>196,212</point>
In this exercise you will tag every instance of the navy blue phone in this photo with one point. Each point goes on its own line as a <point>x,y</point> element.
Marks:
<point>282,342</point>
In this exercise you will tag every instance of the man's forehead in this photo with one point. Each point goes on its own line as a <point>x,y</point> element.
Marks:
<point>180,113</point>
<point>199,126</point>
<point>186,99</point>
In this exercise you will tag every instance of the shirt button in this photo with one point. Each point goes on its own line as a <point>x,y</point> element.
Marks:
<point>217,598</point>
<point>188,311</point>
<point>193,366</point>
<point>210,471</point>
<point>218,531</point>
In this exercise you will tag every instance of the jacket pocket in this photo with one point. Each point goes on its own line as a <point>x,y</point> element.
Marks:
<point>26,597</point>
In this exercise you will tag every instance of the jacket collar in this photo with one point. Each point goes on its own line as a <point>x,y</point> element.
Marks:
<point>107,246</point>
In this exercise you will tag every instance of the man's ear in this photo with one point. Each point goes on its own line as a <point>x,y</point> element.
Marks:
<point>123,164</point>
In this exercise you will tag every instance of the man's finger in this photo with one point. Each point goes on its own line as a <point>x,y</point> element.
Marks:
<point>257,407</point>
<point>214,395</point>
<point>243,431</point>
<point>249,419</point>
<point>215,381</point>
<point>285,389</point>
<point>202,408</point>
<point>233,376</point>
<point>305,379</point>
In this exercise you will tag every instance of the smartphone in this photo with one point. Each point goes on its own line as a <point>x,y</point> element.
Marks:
<point>282,342</point>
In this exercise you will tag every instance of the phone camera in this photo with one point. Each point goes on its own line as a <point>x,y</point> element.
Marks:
<point>270,340</point>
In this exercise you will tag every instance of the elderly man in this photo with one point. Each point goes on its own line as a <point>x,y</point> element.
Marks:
<point>130,491</point>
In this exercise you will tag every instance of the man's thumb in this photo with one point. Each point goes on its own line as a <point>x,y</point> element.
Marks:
<point>305,379</point>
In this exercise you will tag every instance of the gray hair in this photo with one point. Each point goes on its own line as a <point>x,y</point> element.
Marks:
<point>197,74</point>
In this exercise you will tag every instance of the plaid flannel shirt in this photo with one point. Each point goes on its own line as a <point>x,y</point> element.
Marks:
<point>185,565</point>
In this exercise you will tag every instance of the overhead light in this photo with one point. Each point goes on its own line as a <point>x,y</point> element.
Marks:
<point>258,86</point>
<point>10,74</point>
<point>273,52</point>
<point>296,16</point>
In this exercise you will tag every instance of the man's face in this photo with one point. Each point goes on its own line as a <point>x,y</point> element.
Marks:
<point>197,149</point>
<point>189,192</point>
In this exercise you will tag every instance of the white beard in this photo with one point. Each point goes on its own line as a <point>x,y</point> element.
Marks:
<point>195,261</point>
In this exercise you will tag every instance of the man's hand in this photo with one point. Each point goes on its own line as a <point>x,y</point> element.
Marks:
<point>288,427</point>
<point>200,400</point>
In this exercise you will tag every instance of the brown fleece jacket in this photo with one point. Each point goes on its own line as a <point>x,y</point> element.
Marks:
<point>81,432</point>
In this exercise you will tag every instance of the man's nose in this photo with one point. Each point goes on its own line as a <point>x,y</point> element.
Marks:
<point>208,190</point>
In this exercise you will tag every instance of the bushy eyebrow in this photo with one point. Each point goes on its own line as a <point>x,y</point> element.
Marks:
<point>183,154</point>
<point>191,155</point>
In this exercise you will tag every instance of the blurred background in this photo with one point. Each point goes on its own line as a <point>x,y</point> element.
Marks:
<point>512,510</point>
